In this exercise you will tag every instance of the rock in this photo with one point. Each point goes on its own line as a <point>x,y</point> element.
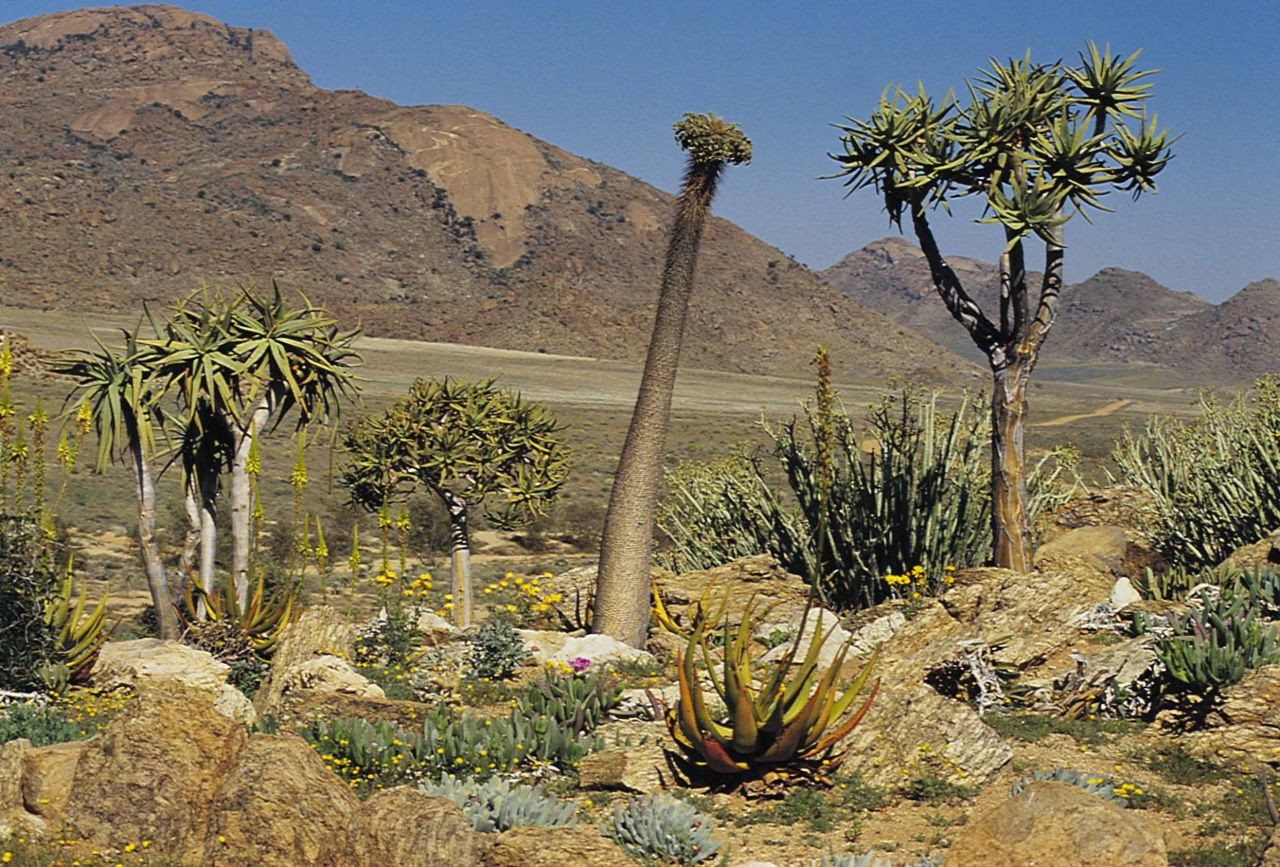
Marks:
<point>301,705</point>
<point>550,646</point>
<point>1123,594</point>
<point>1100,548</point>
<point>555,847</point>
<point>319,631</point>
<point>1259,554</point>
<point>760,576</point>
<point>146,661</point>
<point>153,773</point>
<point>14,818</point>
<point>47,774</point>
<point>1271,857</point>
<point>278,807</point>
<point>436,627</point>
<point>633,760</point>
<point>405,828</point>
<point>1246,719</point>
<point>945,738</point>
<point>1056,823</point>
<point>331,674</point>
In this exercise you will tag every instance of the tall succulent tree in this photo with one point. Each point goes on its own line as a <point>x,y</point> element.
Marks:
<point>1036,144</point>
<point>473,445</point>
<point>622,591</point>
<point>121,394</point>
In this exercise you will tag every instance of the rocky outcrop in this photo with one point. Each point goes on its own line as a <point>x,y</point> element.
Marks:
<point>1102,549</point>
<point>14,817</point>
<point>47,775</point>
<point>1055,823</point>
<point>555,847</point>
<point>280,806</point>
<point>1262,554</point>
<point>633,759</point>
<point>1246,721</point>
<point>560,647</point>
<point>152,661</point>
<point>330,674</point>
<point>404,827</point>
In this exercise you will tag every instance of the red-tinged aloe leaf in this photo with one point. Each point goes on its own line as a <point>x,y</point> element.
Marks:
<point>849,725</point>
<point>718,758</point>
<point>684,707</point>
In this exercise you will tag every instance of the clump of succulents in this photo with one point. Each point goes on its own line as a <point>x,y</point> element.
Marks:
<point>579,699</point>
<point>496,650</point>
<point>1091,783</point>
<point>497,805</point>
<point>1214,643</point>
<point>663,829</point>
<point>787,726</point>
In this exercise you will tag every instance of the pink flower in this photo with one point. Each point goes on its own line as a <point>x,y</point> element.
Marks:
<point>579,664</point>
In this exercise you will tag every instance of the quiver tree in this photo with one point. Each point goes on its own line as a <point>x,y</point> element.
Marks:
<point>248,361</point>
<point>626,547</point>
<point>120,391</point>
<point>1036,144</point>
<point>473,445</point>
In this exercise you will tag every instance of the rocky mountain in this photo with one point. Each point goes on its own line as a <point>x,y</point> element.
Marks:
<point>1113,316</point>
<point>148,150</point>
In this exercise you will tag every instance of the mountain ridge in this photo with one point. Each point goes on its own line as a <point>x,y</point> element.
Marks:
<point>149,148</point>
<point>1115,315</point>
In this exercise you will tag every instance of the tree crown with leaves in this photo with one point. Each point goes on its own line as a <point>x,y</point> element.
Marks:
<point>471,441</point>
<point>1038,142</point>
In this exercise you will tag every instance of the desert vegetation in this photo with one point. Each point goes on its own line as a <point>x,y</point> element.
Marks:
<point>883,635</point>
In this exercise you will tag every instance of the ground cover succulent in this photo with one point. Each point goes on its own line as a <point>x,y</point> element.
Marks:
<point>497,805</point>
<point>662,828</point>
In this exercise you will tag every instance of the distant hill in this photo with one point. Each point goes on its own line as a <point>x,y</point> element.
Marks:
<point>147,149</point>
<point>1114,316</point>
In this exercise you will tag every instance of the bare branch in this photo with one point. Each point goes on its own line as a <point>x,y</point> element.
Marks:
<point>965,310</point>
<point>1050,289</point>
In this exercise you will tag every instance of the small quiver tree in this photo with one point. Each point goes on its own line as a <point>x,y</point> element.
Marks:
<point>472,444</point>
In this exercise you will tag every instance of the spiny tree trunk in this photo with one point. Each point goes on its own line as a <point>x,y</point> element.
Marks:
<point>152,565</point>
<point>622,596</point>
<point>1010,518</point>
<point>241,498</point>
<point>460,560</point>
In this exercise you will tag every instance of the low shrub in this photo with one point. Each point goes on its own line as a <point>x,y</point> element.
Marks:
<point>497,805</point>
<point>496,650</point>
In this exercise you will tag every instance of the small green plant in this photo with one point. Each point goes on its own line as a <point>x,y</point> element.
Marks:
<point>663,829</point>
<point>935,789</point>
<point>497,805</point>
<point>1034,727</point>
<point>1172,762</point>
<point>496,651</point>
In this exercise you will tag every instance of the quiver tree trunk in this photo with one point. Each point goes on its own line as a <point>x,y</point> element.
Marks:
<point>152,565</point>
<point>622,594</point>
<point>460,560</point>
<point>241,496</point>
<point>1010,517</point>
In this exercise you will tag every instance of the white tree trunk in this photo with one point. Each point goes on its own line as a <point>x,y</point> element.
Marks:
<point>241,499</point>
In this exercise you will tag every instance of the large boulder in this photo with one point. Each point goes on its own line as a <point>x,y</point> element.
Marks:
<point>945,738</point>
<point>758,577</point>
<point>150,661</point>
<point>278,807</point>
<point>1055,823</point>
<point>1100,549</point>
<point>153,773</point>
<point>319,631</point>
<point>555,847</point>
<point>405,828</point>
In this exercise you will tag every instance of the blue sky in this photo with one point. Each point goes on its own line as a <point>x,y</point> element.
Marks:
<point>607,79</point>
